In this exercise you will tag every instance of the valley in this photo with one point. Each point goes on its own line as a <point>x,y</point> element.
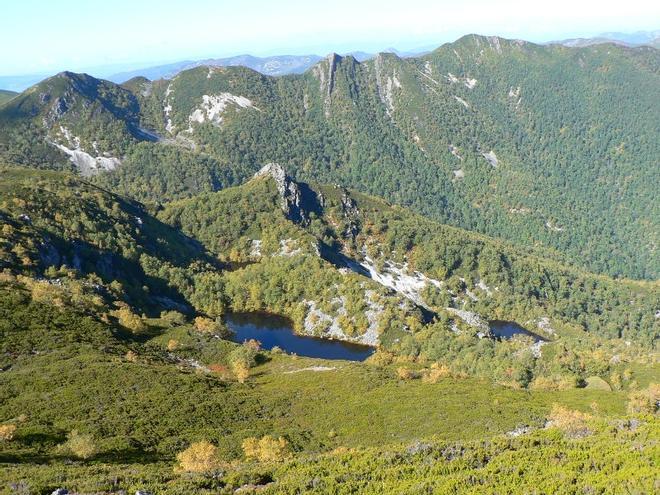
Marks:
<point>534,131</point>
<point>430,274</point>
<point>153,329</point>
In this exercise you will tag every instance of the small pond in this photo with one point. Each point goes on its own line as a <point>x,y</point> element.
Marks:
<point>272,330</point>
<point>507,329</point>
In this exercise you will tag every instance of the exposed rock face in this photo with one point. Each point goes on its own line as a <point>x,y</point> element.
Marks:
<point>320,324</point>
<point>545,326</point>
<point>472,319</point>
<point>351,213</point>
<point>214,106</point>
<point>49,255</point>
<point>386,85</point>
<point>349,206</point>
<point>298,199</point>
<point>325,73</point>
<point>491,158</point>
<point>87,164</point>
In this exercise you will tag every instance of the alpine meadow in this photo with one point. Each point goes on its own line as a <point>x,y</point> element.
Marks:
<point>422,272</point>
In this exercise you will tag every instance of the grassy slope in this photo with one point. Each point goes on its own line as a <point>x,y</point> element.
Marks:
<point>67,369</point>
<point>6,95</point>
<point>133,404</point>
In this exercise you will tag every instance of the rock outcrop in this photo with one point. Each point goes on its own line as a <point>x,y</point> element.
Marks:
<point>298,199</point>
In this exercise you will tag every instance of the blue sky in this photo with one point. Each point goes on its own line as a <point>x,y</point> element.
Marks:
<point>46,36</point>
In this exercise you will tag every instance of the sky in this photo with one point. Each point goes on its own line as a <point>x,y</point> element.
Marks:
<point>47,36</point>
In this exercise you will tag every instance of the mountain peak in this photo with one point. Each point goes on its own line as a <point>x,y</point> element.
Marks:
<point>298,199</point>
<point>275,170</point>
<point>496,43</point>
<point>333,58</point>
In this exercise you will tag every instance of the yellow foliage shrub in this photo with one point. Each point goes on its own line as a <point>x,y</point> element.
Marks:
<point>644,401</point>
<point>42,291</point>
<point>241,371</point>
<point>131,356</point>
<point>207,325</point>
<point>200,457</point>
<point>268,449</point>
<point>253,345</point>
<point>381,358</point>
<point>553,383</point>
<point>406,373</point>
<point>436,373</point>
<point>130,320</point>
<point>7,432</point>
<point>573,423</point>
<point>80,445</point>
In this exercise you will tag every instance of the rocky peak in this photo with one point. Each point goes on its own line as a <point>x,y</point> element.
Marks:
<point>348,205</point>
<point>276,171</point>
<point>298,199</point>
<point>351,214</point>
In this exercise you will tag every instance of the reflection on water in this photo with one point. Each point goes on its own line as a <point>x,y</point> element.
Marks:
<point>272,330</point>
<point>507,329</point>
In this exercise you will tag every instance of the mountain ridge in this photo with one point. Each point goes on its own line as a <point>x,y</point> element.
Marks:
<point>440,125</point>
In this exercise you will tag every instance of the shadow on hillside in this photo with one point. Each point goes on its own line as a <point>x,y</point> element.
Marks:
<point>127,456</point>
<point>110,266</point>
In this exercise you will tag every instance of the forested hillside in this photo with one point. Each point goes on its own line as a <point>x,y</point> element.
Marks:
<point>385,276</point>
<point>5,96</point>
<point>115,313</point>
<point>70,120</point>
<point>547,146</point>
<point>487,134</point>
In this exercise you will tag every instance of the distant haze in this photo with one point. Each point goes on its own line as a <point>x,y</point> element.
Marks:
<point>45,37</point>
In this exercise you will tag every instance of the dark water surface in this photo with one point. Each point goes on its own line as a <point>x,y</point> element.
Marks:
<point>272,330</point>
<point>507,329</point>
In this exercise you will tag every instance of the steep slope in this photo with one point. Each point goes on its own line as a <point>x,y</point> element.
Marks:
<point>528,143</point>
<point>75,116</point>
<point>438,268</point>
<point>58,228</point>
<point>65,232</point>
<point>5,96</point>
<point>385,275</point>
<point>542,145</point>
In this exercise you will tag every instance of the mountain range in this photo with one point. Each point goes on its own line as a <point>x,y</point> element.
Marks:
<point>487,134</point>
<point>273,66</point>
<point>277,65</point>
<point>640,38</point>
<point>478,223</point>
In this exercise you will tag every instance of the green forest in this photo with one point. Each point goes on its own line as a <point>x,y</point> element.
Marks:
<point>536,145</point>
<point>403,206</point>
